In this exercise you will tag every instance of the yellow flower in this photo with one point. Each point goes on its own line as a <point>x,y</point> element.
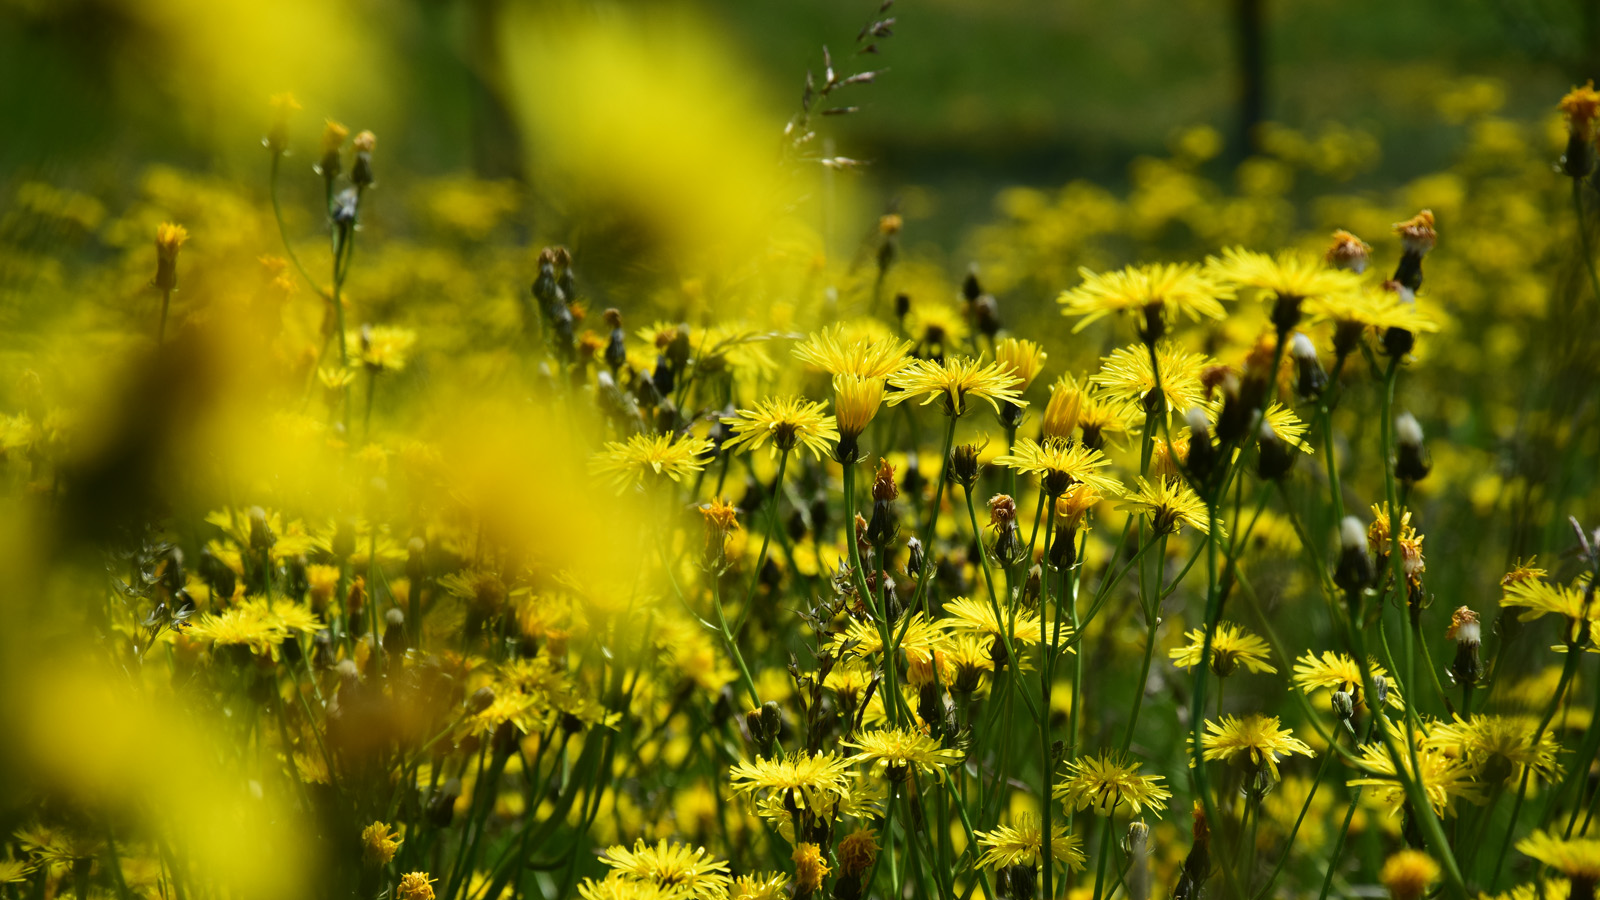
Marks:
<point>1289,274</point>
<point>1166,288</point>
<point>1408,874</point>
<point>809,869</point>
<point>1108,781</point>
<point>1538,598</point>
<point>1074,504</point>
<point>858,852</point>
<point>1444,779</point>
<point>15,871</point>
<point>977,617</point>
<point>618,886</point>
<point>762,886</point>
<point>1060,465</point>
<point>383,348</point>
<point>1061,413</point>
<point>876,357</point>
<point>954,381</point>
<point>920,640</point>
<point>812,780</point>
<point>378,844</point>
<point>1025,359</point>
<point>1580,107</point>
<point>1231,645</point>
<point>898,750</point>
<point>1170,504</point>
<point>856,400</point>
<point>1126,375</point>
<point>415,886</point>
<point>1576,858</point>
<point>1336,672</point>
<point>169,238</point>
<point>646,458</point>
<point>1498,747</point>
<point>1254,739</point>
<point>1370,308</point>
<point>1020,845</point>
<point>694,873</point>
<point>788,421</point>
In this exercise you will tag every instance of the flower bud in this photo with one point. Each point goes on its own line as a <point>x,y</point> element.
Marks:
<point>964,467</point>
<point>1202,455</point>
<point>1275,457</point>
<point>917,556</point>
<point>1354,572</point>
<point>1417,237</point>
<point>1468,635</point>
<point>361,169</point>
<point>1312,379</point>
<point>1137,846</point>
<point>169,238</point>
<point>1411,457</point>
<point>1348,252</point>
<point>333,137</point>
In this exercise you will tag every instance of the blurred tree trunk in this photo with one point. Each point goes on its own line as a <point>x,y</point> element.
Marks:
<point>1250,36</point>
<point>496,142</point>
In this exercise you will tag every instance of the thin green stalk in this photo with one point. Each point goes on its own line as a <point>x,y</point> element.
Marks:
<point>1288,843</point>
<point>1105,854</point>
<point>161,330</point>
<point>1152,609</point>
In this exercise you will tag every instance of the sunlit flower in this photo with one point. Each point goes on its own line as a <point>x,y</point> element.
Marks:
<point>761,886</point>
<point>1061,464</point>
<point>1498,746</point>
<point>1408,874</point>
<point>809,869</point>
<point>897,750</point>
<point>1444,779</point>
<point>811,781</point>
<point>863,357</point>
<point>1255,740</point>
<point>1025,359</point>
<point>1576,858</point>
<point>415,886</point>
<point>1231,646</point>
<point>1074,505</point>
<point>1289,274</point>
<point>978,617</point>
<point>378,844</point>
<point>856,400</point>
<point>646,458</point>
<point>789,421</point>
<point>1159,288</point>
<point>1539,598</point>
<point>1333,671</point>
<point>1170,504</point>
<point>382,348</point>
<point>1110,780</point>
<point>692,870</point>
<point>955,381</point>
<point>1126,375</point>
<point>1020,845</point>
<point>1369,308</point>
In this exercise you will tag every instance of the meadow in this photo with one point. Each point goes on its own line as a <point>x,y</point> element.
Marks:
<point>681,517</point>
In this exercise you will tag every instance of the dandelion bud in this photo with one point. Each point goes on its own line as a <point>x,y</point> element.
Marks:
<point>1276,457</point>
<point>1417,237</point>
<point>169,238</point>
<point>616,344</point>
<point>662,376</point>
<point>964,467</point>
<point>986,316</point>
<point>1344,706</point>
<point>902,306</point>
<point>361,169</point>
<point>1240,401</point>
<point>971,290</point>
<point>917,556</point>
<point>1197,864</point>
<point>1312,378</point>
<point>333,137</point>
<point>1286,313</point>
<point>442,805</point>
<point>1354,572</point>
<point>1411,457</point>
<point>1348,252</point>
<point>1137,846</point>
<point>1202,456</point>
<point>1064,548</point>
<point>930,706</point>
<point>1580,106</point>
<point>344,207</point>
<point>1009,548</point>
<point>1380,690</point>
<point>1018,882</point>
<point>1408,874</point>
<point>394,632</point>
<point>1468,635</point>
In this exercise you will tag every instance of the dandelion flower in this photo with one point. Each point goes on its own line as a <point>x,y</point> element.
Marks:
<point>976,617</point>
<point>1289,274</point>
<point>955,381</point>
<point>1108,781</point>
<point>1255,740</point>
<point>14,871</point>
<point>811,780</point>
<point>646,458</point>
<point>864,357</point>
<point>898,750</point>
<point>1160,289</point>
<point>1025,359</point>
<point>382,348</point>
<point>1126,375</point>
<point>691,870</point>
<point>857,852</point>
<point>788,421</point>
<point>856,399</point>
<point>169,238</point>
<point>1231,646</point>
<point>762,886</point>
<point>378,844</point>
<point>809,869</point>
<point>1170,504</point>
<point>1019,845</point>
<point>1060,465</point>
<point>1538,598</point>
<point>1444,779</point>
<point>1498,747</point>
<point>1576,858</point>
<point>1334,671</point>
<point>1408,874</point>
<point>415,886</point>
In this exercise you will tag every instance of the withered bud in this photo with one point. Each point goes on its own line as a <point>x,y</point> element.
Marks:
<point>1275,457</point>
<point>1312,379</point>
<point>1354,571</point>
<point>1348,252</point>
<point>964,467</point>
<point>883,486</point>
<point>1411,457</point>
